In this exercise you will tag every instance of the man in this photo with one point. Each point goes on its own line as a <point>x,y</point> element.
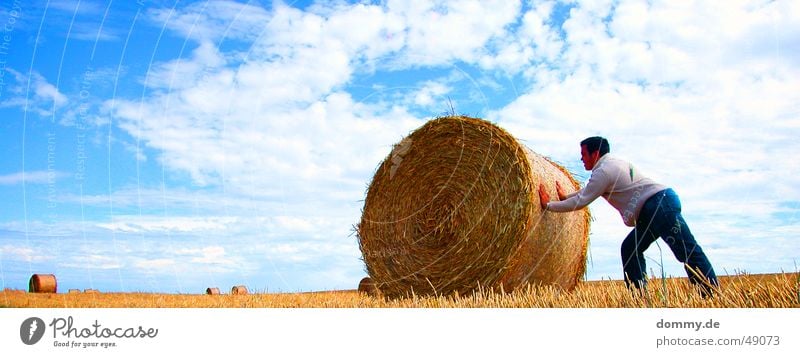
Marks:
<point>654,211</point>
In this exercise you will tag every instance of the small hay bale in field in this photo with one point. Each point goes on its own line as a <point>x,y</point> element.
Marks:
<point>91,291</point>
<point>43,283</point>
<point>74,291</point>
<point>455,207</point>
<point>367,286</point>
<point>212,291</point>
<point>239,290</point>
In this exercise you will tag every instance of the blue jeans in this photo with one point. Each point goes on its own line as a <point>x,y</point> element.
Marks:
<point>661,217</point>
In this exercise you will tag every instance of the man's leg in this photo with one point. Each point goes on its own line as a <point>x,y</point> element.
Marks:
<point>675,232</point>
<point>682,243</point>
<point>633,262</point>
<point>637,241</point>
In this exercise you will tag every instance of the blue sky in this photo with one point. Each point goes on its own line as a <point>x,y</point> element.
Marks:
<point>172,146</point>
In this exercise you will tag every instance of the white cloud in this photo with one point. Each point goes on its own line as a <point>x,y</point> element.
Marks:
<point>430,94</point>
<point>441,32</point>
<point>661,98</point>
<point>214,255</point>
<point>33,93</point>
<point>535,41</point>
<point>73,6</point>
<point>93,262</point>
<point>306,251</point>
<point>93,32</point>
<point>213,20</point>
<point>156,264</point>
<point>32,177</point>
<point>294,224</point>
<point>47,92</point>
<point>139,224</point>
<point>17,253</point>
<point>265,115</point>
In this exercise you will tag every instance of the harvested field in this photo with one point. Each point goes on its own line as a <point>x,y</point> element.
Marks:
<point>738,291</point>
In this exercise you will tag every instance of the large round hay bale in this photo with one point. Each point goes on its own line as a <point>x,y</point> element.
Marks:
<point>239,290</point>
<point>43,283</point>
<point>212,291</point>
<point>455,207</point>
<point>367,286</point>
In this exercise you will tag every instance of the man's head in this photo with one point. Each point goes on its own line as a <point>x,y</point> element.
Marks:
<point>592,149</point>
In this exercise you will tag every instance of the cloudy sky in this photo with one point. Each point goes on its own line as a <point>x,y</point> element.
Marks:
<point>171,146</point>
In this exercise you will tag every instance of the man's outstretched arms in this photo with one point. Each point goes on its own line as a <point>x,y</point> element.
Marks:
<point>544,197</point>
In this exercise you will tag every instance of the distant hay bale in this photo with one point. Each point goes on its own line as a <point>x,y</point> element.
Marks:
<point>212,291</point>
<point>43,283</point>
<point>91,291</point>
<point>455,207</point>
<point>239,290</point>
<point>74,291</point>
<point>367,286</point>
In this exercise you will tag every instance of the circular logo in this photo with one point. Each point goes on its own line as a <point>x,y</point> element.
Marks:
<point>31,330</point>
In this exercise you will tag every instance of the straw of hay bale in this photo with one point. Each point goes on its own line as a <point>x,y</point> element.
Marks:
<point>212,291</point>
<point>43,283</point>
<point>455,207</point>
<point>367,286</point>
<point>239,290</point>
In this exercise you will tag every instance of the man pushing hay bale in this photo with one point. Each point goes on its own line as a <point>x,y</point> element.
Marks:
<point>455,207</point>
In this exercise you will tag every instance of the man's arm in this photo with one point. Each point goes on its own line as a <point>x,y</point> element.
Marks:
<point>594,188</point>
<point>544,197</point>
<point>561,195</point>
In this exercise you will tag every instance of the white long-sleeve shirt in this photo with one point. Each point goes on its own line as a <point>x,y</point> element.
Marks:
<point>619,182</point>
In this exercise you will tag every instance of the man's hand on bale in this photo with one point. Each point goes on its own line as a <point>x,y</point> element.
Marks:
<point>560,190</point>
<point>543,196</point>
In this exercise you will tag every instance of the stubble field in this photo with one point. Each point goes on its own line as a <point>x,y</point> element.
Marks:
<point>781,290</point>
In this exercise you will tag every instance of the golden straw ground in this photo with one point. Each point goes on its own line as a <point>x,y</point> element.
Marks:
<point>454,207</point>
<point>739,291</point>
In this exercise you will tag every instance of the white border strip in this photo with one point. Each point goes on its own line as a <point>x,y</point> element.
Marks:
<point>406,332</point>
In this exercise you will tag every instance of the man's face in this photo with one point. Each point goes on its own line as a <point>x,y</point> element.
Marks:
<point>589,159</point>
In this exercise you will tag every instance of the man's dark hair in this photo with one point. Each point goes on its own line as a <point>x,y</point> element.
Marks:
<point>596,143</point>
